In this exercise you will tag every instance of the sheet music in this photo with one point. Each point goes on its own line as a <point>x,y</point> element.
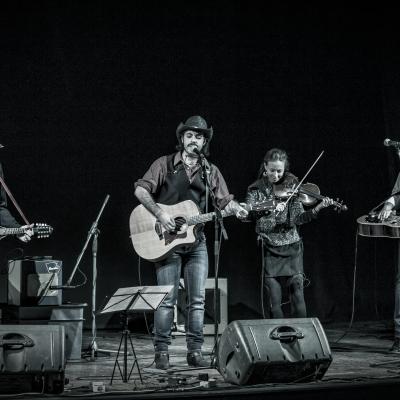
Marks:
<point>150,298</point>
<point>146,298</point>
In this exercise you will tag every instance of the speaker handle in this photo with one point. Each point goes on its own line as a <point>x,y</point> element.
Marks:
<point>286,334</point>
<point>15,339</point>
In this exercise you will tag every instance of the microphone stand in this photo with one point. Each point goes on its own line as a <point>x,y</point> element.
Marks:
<point>93,232</point>
<point>218,224</point>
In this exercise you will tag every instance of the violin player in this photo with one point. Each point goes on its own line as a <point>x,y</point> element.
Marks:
<point>279,231</point>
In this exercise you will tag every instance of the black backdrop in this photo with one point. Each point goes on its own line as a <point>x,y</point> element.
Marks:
<point>92,92</point>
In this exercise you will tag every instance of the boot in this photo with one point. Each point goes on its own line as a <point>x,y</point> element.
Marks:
<point>161,360</point>
<point>196,359</point>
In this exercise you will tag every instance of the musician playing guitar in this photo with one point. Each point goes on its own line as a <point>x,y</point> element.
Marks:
<point>391,204</point>
<point>7,220</point>
<point>172,179</point>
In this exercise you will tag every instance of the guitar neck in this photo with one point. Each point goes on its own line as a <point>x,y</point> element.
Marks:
<point>202,218</point>
<point>11,231</point>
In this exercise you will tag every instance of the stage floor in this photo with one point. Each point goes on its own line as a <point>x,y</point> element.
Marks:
<point>360,358</point>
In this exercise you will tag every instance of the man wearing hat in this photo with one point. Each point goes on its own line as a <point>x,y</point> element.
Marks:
<point>170,180</point>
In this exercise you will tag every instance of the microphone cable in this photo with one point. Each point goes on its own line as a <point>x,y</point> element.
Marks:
<point>353,301</point>
<point>259,238</point>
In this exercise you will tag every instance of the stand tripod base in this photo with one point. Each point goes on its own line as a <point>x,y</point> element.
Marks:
<point>93,351</point>
<point>125,336</point>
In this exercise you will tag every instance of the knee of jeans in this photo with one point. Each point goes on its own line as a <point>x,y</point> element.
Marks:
<point>196,303</point>
<point>168,302</point>
<point>170,299</point>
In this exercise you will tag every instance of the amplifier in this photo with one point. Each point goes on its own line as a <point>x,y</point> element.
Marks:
<point>29,281</point>
<point>32,358</point>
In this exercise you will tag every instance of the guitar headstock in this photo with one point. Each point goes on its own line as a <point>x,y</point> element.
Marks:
<point>41,230</point>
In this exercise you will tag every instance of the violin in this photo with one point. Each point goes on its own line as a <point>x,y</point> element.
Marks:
<point>308,193</point>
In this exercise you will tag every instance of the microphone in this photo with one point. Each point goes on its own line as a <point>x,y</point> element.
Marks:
<point>388,143</point>
<point>61,287</point>
<point>198,152</point>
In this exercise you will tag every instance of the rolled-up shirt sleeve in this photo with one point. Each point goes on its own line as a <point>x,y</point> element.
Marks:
<point>154,177</point>
<point>220,188</point>
<point>396,199</point>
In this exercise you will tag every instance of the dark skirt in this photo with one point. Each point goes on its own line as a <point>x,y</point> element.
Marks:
<point>286,260</point>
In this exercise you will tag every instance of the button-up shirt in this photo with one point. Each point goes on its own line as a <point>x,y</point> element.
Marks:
<point>154,178</point>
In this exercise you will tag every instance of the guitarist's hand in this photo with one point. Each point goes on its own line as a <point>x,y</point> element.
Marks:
<point>166,221</point>
<point>239,210</point>
<point>385,211</point>
<point>26,237</point>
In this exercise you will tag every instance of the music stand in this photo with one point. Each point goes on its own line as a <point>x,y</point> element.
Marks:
<point>128,300</point>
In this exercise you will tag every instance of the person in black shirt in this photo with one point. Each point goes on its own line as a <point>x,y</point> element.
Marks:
<point>170,180</point>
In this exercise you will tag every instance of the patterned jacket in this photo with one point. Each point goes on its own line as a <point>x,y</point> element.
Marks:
<point>277,229</point>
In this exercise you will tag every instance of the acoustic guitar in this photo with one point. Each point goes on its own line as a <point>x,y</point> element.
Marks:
<point>39,230</point>
<point>152,242</point>
<point>370,225</point>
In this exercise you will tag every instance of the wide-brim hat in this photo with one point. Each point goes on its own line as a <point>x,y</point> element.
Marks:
<point>195,123</point>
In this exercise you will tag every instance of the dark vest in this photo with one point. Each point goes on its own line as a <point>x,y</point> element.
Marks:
<point>177,186</point>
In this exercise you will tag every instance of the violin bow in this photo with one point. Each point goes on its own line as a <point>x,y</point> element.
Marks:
<point>13,201</point>
<point>304,177</point>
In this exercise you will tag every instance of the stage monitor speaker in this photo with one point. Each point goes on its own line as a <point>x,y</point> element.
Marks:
<point>29,282</point>
<point>273,351</point>
<point>32,358</point>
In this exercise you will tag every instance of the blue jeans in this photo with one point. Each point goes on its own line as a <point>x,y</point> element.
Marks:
<point>194,262</point>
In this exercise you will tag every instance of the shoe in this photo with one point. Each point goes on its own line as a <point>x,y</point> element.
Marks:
<point>396,346</point>
<point>161,360</point>
<point>195,359</point>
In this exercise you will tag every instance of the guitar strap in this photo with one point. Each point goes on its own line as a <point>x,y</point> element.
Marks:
<point>13,200</point>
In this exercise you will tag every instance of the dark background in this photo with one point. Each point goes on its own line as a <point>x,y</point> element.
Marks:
<point>92,92</point>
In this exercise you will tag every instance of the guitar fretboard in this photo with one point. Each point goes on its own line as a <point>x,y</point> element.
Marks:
<point>202,218</point>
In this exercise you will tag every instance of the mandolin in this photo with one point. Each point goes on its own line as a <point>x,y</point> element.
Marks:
<point>39,230</point>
